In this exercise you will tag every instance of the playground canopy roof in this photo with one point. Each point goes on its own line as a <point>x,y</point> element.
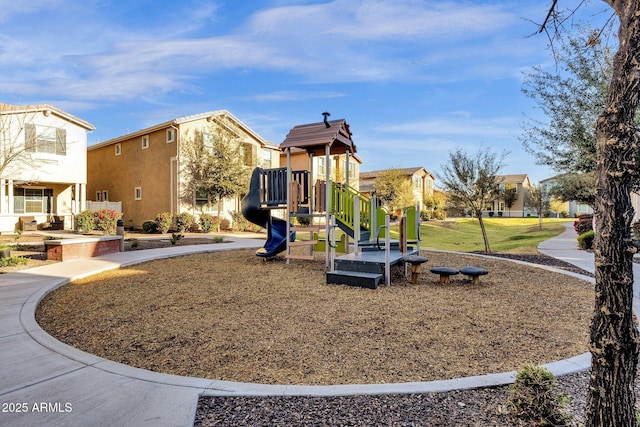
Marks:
<point>314,137</point>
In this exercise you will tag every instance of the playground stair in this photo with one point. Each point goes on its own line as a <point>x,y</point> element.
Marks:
<point>360,273</point>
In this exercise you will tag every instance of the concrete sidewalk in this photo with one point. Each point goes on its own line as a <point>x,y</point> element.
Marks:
<point>46,382</point>
<point>565,247</point>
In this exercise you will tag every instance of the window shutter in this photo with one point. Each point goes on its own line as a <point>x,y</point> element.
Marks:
<point>30,137</point>
<point>61,142</point>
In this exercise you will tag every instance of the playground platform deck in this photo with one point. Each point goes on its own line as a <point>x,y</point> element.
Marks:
<point>377,256</point>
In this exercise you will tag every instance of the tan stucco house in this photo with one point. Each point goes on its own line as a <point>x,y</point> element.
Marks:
<point>143,169</point>
<point>522,184</point>
<point>421,179</point>
<point>45,180</point>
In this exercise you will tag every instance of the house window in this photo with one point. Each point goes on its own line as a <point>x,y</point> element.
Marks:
<point>417,182</point>
<point>98,196</point>
<point>137,193</point>
<point>171,135</point>
<point>105,195</point>
<point>352,169</point>
<point>145,142</point>
<point>45,139</point>
<point>118,149</point>
<point>32,200</point>
<point>266,158</point>
<point>321,166</point>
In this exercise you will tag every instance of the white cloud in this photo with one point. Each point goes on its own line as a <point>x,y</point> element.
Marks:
<point>289,96</point>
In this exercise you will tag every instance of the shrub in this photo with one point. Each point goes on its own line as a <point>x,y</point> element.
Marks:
<point>14,260</point>
<point>583,224</point>
<point>175,238</point>
<point>86,221</point>
<point>533,399</point>
<point>134,243</point>
<point>208,222</point>
<point>239,223</point>
<point>164,221</point>
<point>183,221</point>
<point>150,227</point>
<point>585,240</point>
<point>107,220</point>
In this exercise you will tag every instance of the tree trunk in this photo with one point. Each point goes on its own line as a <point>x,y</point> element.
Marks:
<point>487,249</point>
<point>614,336</point>
<point>219,212</point>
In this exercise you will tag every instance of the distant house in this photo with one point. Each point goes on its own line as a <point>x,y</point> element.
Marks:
<point>144,169</point>
<point>521,183</point>
<point>573,208</point>
<point>421,179</point>
<point>47,179</point>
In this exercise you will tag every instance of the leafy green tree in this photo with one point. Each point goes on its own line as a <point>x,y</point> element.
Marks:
<point>577,187</point>
<point>470,182</point>
<point>394,190</point>
<point>510,197</point>
<point>214,164</point>
<point>570,97</point>
<point>537,198</point>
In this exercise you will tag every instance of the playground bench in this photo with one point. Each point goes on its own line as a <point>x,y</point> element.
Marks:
<point>416,261</point>
<point>474,273</point>
<point>445,273</point>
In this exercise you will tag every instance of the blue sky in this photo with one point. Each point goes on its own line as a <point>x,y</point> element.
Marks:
<point>413,78</point>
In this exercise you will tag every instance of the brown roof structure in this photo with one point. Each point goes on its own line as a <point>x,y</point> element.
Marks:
<point>314,137</point>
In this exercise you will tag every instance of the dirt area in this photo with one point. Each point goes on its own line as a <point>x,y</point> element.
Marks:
<point>233,316</point>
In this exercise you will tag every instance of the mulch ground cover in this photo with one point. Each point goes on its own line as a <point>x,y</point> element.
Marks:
<point>233,316</point>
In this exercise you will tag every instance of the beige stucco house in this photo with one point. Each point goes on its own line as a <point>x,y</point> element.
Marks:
<point>522,184</point>
<point>145,170</point>
<point>46,177</point>
<point>421,179</point>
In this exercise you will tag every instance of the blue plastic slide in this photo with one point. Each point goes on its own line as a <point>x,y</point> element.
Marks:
<point>276,227</point>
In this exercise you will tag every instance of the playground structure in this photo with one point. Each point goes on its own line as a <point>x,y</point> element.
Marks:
<point>327,206</point>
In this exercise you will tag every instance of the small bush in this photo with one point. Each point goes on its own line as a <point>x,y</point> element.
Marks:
<point>14,260</point>
<point>533,399</point>
<point>175,238</point>
<point>134,243</point>
<point>164,221</point>
<point>585,240</point>
<point>150,227</point>
<point>86,221</point>
<point>183,221</point>
<point>239,223</point>
<point>208,222</point>
<point>107,221</point>
<point>583,224</point>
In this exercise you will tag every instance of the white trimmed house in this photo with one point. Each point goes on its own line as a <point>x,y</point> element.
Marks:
<point>47,177</point>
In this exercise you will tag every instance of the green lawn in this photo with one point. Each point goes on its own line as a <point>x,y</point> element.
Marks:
<point>512,235</point>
